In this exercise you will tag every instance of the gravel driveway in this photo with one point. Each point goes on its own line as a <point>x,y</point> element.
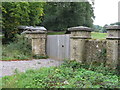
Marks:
<point>9,67</point>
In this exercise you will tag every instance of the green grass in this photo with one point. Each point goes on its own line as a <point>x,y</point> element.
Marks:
<point>68,75</point>
<point>55,33</point>
<point>96,35</point>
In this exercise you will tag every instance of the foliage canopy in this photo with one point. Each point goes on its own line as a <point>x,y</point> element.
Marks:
<point>62,15</point>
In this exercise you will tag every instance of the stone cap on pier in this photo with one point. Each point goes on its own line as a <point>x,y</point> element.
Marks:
<point>113,27</point>
<point>80,28</point>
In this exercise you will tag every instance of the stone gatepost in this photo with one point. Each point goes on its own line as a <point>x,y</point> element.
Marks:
<point>113,46</point>
<point>38,40</point>
<point>77,42</point>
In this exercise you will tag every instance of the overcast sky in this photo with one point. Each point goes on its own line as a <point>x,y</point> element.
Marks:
<point>106,12</point>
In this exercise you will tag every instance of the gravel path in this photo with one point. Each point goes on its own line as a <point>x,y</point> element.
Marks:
<point>9,67</point>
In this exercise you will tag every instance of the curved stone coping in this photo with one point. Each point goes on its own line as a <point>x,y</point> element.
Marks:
<point>80,37</point>
<point>33,32</point>
<point>80,28</point>
<point>32,28</point>
<point>113,27</point>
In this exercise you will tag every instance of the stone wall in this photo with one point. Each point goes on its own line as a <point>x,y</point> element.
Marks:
<point>95,51</point>
<point>82,48</point>
<point>86,50</point>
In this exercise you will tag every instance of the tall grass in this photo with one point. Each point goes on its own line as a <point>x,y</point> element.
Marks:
<point>19,49</point>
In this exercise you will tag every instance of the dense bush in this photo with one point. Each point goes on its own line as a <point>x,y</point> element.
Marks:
<point>19,49</point>
<point>19,13</point>
<point>69,75</point>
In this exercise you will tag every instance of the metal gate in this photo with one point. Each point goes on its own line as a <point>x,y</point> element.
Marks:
<point>58,46</point>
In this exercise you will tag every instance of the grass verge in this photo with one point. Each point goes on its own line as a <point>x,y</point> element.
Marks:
<point>56,33</point>
<point>69,75</point>
<point>96,35</point>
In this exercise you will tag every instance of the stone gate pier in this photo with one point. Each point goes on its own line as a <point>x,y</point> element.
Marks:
<point>113,46</point>
<point>37,36</point>
<point>77,42</point>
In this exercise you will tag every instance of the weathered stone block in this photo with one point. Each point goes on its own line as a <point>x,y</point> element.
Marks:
<point>113,32</point>
<point>112,53</point>
<point>77,49</point>
<point>113,46</point>
<point>38,46</point>
<point>95,51</point>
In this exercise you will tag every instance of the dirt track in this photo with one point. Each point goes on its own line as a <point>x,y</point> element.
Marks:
<point>9,67</point>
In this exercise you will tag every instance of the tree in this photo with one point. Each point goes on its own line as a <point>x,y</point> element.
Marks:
<point>36,13</point>
<point>62,15</point>
<point>104,28</point>
<point>117,23</point>
<point>97,28</point>
<point>20,13</point>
